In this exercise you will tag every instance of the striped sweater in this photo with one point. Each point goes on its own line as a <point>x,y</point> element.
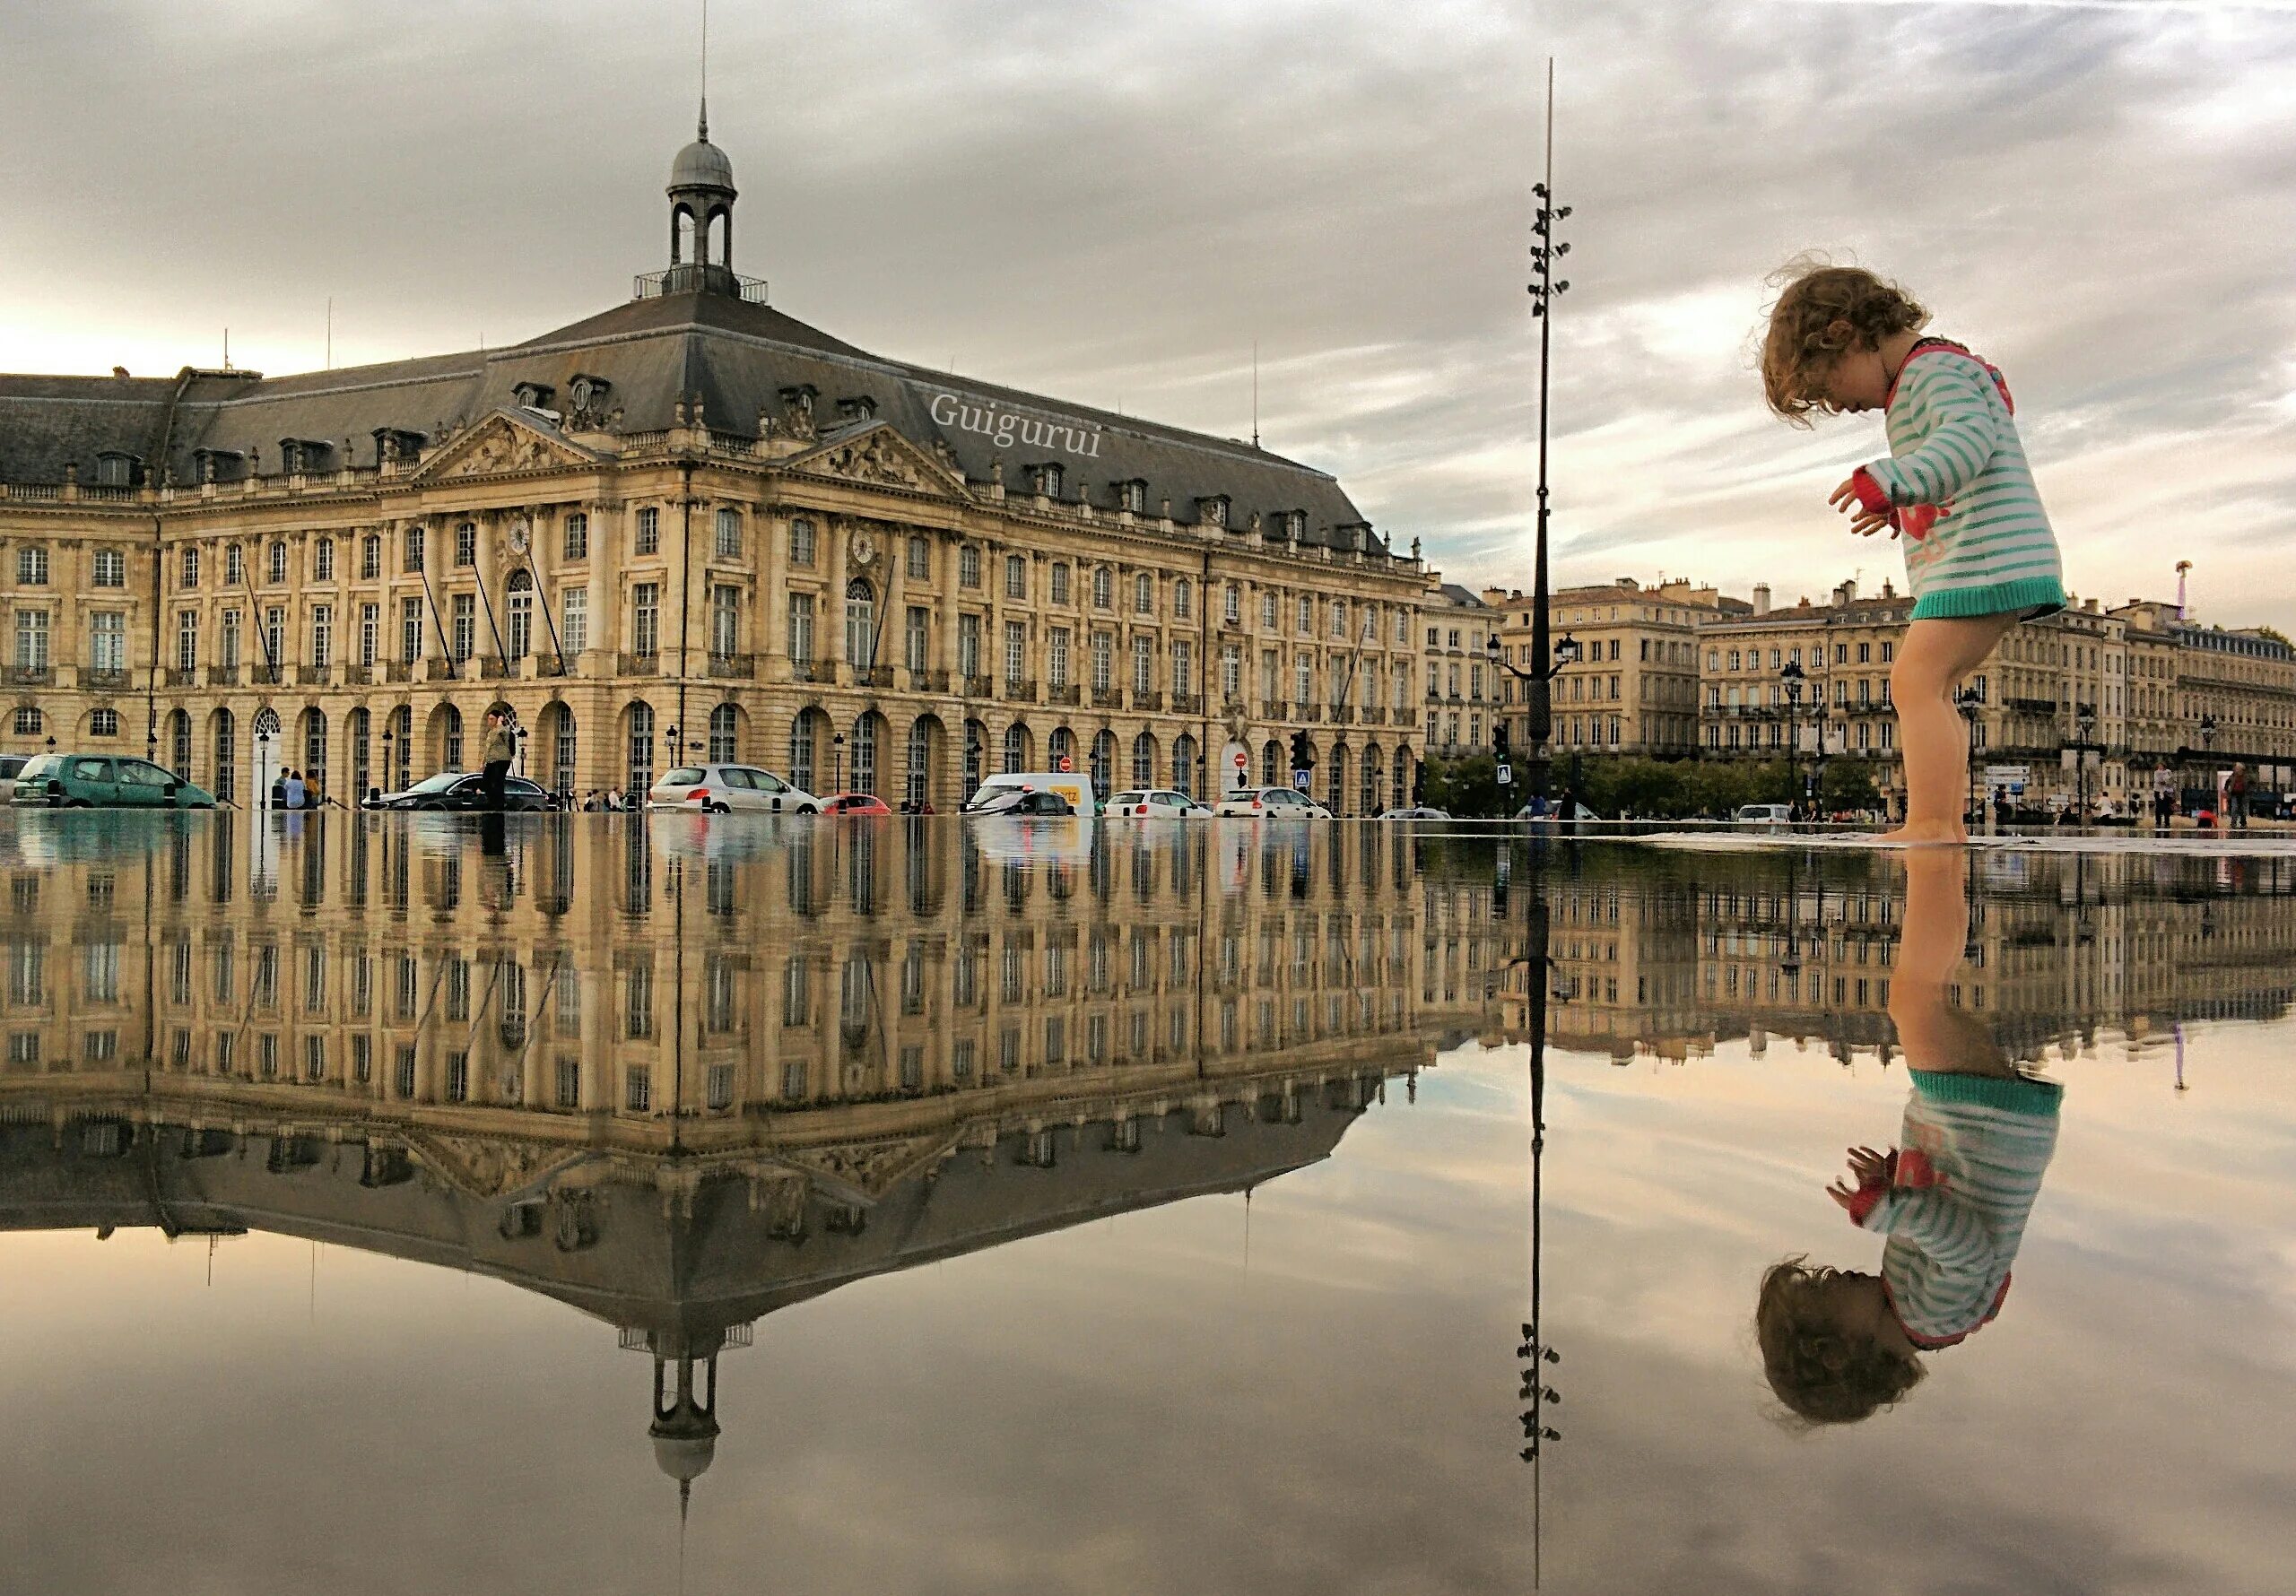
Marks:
<point>1957,485</point>
<point>1955,1196</point>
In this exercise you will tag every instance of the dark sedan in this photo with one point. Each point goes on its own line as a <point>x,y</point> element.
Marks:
<point>455,790</point>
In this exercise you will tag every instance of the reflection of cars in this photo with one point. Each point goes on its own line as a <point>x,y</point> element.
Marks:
<point>1418,811</point>
<point>456,790</point>
<point>1277,804</point>
<point>1155,803</point>
<point>1764,814</point>
<point>1580,812</point>
<point>855,804</point>
<point>721,789</point>
<point>90,781</point>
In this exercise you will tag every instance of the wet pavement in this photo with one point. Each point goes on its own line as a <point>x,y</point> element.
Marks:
<point>614,1204</point>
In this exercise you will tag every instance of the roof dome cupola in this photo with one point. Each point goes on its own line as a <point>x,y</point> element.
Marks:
<point>701,218</point>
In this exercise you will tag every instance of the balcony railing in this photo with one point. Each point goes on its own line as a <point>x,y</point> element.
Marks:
<point>1187,704</point>
<point>928,681</point>
<point>110,676</point>
<point>313,675</point>
<point>399,670</point>
<point>490,668</point>
<point>355,674</point>
<point>697,278</point>
<point>217,676</point>
<point>1151,700</point>
<point>873,676</point>
<point>638,665</point>
<point>1311,712</point>
<point>978,687</point>
<point>1342,715</point>
<point>437,670</point>
<point>1067,692</point>
<point>740,666</point>
<point>1105,698</point>
<point>1274,709</point>
<point>1020,692</point>
<point>30,675</point>
<point>822,671</point>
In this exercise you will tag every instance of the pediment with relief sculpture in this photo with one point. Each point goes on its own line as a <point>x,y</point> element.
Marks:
<point>505,444</point>
<point>878,456</point>
<point>870,1168</point>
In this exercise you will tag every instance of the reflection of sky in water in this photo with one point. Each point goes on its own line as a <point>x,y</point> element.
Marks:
<point>1314,1393</point>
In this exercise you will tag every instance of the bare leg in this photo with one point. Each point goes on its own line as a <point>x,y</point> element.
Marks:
<point>1934,659</point>
<point>1937,1034</point>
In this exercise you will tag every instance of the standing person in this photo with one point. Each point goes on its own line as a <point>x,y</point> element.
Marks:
<point>279,791</point>
<point>2236,798</point>
<point>1980,555</point>
<point>499,746</point>
<point>292,791</point>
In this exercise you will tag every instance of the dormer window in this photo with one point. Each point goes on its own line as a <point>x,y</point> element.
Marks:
<point>1213,511</point>
<point>114,469</point>
<point>859,407</point>
<point>1048,479</point>
<point>797,402</point>
<point>1133,496</point>
<point>397,444</point>
<point>586,392</point>
<point>533,395</point>
<point>1348,535</point>
<point>301,454</point>
<point>1292,524</point>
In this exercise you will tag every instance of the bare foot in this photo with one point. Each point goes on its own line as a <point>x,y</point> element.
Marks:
<point>1928,834</point>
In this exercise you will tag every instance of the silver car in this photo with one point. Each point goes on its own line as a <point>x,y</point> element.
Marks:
<point>1270,803</point>
<point>729,789</point>
<point>1155,804</point>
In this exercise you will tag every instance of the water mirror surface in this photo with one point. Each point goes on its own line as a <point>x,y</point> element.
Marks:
<point>608,1204</point>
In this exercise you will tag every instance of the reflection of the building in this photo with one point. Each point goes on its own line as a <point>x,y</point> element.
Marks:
<point>1658,961</point>
<point>680,1078</point>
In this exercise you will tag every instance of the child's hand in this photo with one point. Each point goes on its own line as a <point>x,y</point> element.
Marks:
<point>1868,1168</point>
<point>1865,522</point>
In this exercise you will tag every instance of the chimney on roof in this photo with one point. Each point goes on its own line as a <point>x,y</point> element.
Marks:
<point>120,371</point>
<point>2091,606</point>
<point>1761,598</point>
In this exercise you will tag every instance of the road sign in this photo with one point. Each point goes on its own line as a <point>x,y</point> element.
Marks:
<point>1505,775</point>
<point>1300,780</point>
<point>1067,764</point>
<point>1243,760</point>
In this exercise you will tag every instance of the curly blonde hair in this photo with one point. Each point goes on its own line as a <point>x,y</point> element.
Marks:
<point>1822,1374</point>
<point>1822,310</point>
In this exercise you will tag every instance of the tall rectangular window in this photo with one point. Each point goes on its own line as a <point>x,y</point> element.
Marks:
<point>463,625</point>
<point>1103,662</point>
<point>322,635</point>
<point>1060,582</point>
<point>1144,663</point>
<point>323,561</point>
<point>31,566</point>
<point>412,559</point>
<point>968,645</point>
<point>725,621</point>
<point>916,636</point>
<point>370,558</point>
<point>804,544</point>
<point>31,637</point>
<point>578,537</point>
<point>274,638</point>
<point>801,626</point>
<point>410,630</point>
<point>1016,648</point>
<point>1016,576</point>
<point>920,559</point>
<point>1184,667</point>
<point>646,622</point>
<point>229,645</point>
<point>1231,671</point>
<point>107,640</point>
<point>969,566</point>
<point>371,633</point>
<point>190,573</point>
<point>186,639</point>
<point>111,569</point>
<point>574,619</point>
<point>1060,672</point>
<point>728,545</point>
<point>465,546</point>
<point>648,538</point>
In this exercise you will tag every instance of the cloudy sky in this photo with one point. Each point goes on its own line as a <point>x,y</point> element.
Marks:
<point>1111,202</point>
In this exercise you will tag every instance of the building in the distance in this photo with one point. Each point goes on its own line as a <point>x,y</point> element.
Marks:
<point>1460,698</point>
<point>1634,689</point>
<point>690,526</point>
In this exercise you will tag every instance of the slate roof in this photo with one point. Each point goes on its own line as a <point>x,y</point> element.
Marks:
<point>738,355</point>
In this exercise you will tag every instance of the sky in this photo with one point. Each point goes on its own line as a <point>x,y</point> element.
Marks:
<point>1113,204</point>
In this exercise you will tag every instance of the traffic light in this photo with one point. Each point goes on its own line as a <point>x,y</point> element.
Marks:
<point>1499,739</point>
<point>1303,753</point>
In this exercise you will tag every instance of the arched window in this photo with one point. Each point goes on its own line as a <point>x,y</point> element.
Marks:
<point>641,770</point>
<point>180,744</point>
<point>1143,593</point>
<point>1183,599</point>
<point>1271,764</point>
<point>723,722</point>
<point>278,561</point>
<point>451,723</point>
<point>1143,760</point>
<point>1103,763</point>
<point>1103,587</point>
<point>225,753</point>
<point>1184,764</point>
<point>29,722</point>
<point>860,624</point>
<point>400,734</point>
<point>865,754</point>
<point>567,747</point>
<point>1335,788</point>
<point>976,755</point>
<point>520,642</point>
<point>1370,796</point>
<point>920,758</point>
<point>728,544</point>
<point>805,740</point>
<point>360,726</point>
<point>1060,749</point>
<point>1016,747</point>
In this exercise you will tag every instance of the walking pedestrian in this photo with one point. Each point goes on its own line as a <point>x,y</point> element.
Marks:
<point>499,748</point>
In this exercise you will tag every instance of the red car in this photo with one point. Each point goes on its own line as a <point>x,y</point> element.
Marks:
<point>853,803</point>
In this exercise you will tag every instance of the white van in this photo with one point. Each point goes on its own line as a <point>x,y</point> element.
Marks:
<point>1764,814</point>
<point>1000,792</point>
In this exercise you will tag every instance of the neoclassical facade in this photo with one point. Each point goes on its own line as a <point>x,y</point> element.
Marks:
<point>690,527</point>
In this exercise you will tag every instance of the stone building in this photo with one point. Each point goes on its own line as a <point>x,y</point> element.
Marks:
<point>689,526</point>
<point>1461,696</point>
<point>1635,688</point>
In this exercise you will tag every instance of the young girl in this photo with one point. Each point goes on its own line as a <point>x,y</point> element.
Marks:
<point>1979,553</point>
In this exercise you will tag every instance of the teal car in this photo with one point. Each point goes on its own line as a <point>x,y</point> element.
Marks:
<point>104,781</point>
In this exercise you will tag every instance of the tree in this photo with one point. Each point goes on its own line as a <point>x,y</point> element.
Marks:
<point>1849,785</point>
<point>1467,786</point>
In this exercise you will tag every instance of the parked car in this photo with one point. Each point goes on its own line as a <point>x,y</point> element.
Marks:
<point>1580,812</point>
<point>1417,811</point>
<point>1763,814</point>
<point>467,791</point>
<point>1271,803</point>
<point>855,804</point>
<point>1155,803</point>
<point>90,781</point>
<point>13,765</point>
<point>999,794</point>
<point>723,789</point>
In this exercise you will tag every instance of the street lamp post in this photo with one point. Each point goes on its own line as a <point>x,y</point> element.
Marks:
<point>1966,700</point>
<point>2208,752</point>
<point>1794,679</point>
<point>1544,291</point>
<point>2084,721</point>
<point>1545,666</point>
